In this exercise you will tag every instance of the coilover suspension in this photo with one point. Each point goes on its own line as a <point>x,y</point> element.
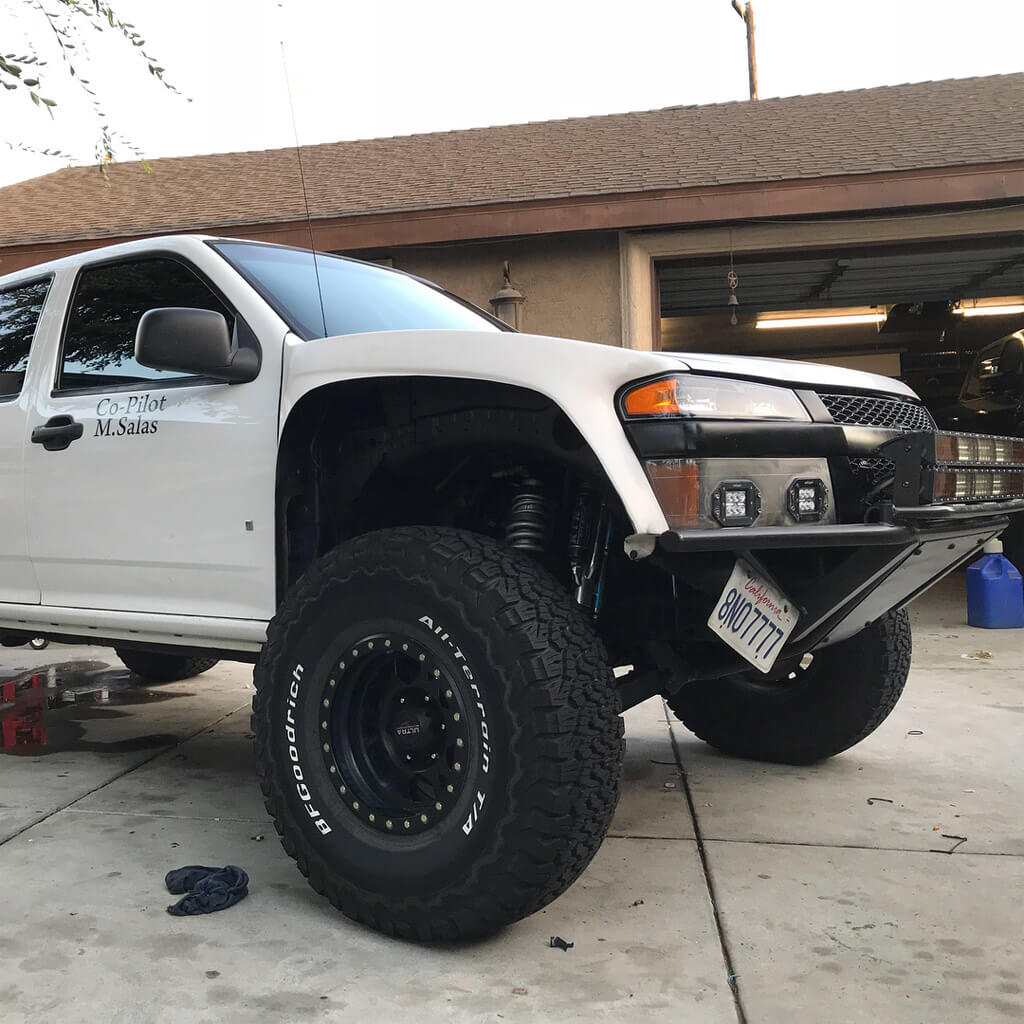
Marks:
<point>530,523</point>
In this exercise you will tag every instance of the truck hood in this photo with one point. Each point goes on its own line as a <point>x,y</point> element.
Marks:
<point>791,373</point>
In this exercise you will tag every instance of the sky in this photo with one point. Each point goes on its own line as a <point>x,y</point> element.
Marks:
<point>377,69</point>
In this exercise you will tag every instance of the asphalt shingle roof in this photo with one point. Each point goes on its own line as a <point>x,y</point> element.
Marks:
<point>955,122</point>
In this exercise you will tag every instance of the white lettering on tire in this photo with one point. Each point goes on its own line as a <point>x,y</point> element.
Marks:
<point>485,745</point>
<point>293,755</point>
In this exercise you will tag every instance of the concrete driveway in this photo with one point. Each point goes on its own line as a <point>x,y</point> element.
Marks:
<point>727,889</point>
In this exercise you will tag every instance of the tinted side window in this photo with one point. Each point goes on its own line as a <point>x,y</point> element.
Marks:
<point>99,343</point>
<point>19,314</point>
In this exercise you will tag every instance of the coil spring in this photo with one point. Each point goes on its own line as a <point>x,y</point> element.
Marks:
<point>528,527</point>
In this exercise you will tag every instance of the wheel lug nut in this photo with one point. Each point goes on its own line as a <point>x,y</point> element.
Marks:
<point>355,805</point>
<point>401,700</point>
<point>433,757</point>
<point>342,790</point>
<point>323,725</point>
<point>423,818</point>
<point>405,647</point>
<point>459,742</point>
<point>334,682</point>
<point>355,653</point>
<point>448,693</point>
<point>451,789</point>
<point>333,769</point>
<point>457,717</point>
<point>423,657</point>
<point>370,645</point>
<point>437,807</point>
<point>408,757</point>
<point>387,643</point>
<point>388,824</point>
<point>458,766</point>
<point>407,824</point>
<point>372,818</point>
<point>437,673</point>
<point>327,747</point>
<point>327,703</point>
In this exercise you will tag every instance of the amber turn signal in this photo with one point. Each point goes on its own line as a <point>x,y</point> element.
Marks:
<point>658,398</point>
<point>676,485</point>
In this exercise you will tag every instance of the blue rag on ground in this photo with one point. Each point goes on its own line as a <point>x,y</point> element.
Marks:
<point>207,889</point>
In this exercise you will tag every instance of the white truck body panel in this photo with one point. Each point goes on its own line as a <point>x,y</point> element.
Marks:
<point>150,536</point>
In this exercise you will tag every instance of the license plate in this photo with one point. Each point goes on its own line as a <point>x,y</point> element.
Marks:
<point>753,617</point>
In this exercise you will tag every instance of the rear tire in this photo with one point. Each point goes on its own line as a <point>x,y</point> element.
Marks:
<point>845,694</point>
<point>437,733</point>
<point>164,668</point>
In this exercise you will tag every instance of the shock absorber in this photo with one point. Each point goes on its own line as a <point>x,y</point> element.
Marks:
<point>590,533</point>
<point>528,526</point>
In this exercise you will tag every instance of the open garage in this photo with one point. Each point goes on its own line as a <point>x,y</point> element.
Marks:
<point>915,311</point>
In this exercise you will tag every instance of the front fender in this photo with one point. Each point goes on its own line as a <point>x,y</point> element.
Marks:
<point>581,378</point>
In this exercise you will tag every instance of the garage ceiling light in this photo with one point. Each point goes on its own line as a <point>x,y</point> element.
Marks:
<point>839,320</point>
<point>969,311</point>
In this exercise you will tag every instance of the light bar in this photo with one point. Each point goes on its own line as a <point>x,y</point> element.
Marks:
<point>839,320</point>
<point>979,449</point>
<point>969,311</point>
<point>977,484</point>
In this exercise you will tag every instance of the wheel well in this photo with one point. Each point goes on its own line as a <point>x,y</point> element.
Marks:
<point>362,455</point>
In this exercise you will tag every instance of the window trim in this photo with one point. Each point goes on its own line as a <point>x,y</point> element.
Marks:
<point>156,384</point>
<point>216,243</point>
<point>48,278</point>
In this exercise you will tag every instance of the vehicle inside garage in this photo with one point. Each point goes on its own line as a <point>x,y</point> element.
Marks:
<point>919,312</point>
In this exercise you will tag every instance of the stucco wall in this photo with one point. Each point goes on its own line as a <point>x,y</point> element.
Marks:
<point>571,284</point>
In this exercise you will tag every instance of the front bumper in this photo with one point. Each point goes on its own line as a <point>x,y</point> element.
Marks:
<point>912,544</point>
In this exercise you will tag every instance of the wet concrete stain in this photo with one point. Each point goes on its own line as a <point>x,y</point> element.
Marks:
<point>56,708</point>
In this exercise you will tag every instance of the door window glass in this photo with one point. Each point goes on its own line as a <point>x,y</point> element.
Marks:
<point>99,343</point>
<point>19,314</point>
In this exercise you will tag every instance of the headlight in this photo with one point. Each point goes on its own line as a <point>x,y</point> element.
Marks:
<point>717,398</point>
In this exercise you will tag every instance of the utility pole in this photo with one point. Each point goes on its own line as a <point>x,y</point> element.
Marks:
<point>746,12</point>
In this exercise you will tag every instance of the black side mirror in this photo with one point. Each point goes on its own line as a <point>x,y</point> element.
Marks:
<point>193,341</point>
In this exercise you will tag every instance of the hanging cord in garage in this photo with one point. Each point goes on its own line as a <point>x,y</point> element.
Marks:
<point>733,282</point>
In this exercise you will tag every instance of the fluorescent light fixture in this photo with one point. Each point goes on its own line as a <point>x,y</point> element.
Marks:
<point>986,310</point>
<point>838,320</point>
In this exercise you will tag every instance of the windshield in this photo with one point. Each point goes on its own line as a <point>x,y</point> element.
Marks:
<point>357,297</point>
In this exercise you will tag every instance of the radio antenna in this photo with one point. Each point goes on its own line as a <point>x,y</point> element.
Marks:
<point>302,181</point>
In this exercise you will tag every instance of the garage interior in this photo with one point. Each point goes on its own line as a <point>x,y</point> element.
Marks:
<point>919,312</point>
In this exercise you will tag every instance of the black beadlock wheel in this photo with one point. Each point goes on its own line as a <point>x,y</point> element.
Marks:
<point>810,713</point>
<point>164,668</point>
<point>437,733</point>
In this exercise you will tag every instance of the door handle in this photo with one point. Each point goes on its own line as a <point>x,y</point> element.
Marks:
<point>57,433</point>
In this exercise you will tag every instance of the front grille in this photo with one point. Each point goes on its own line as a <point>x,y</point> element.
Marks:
<point>868,411</point>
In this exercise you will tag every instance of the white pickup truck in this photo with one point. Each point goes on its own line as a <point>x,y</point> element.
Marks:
<point>435,537</point>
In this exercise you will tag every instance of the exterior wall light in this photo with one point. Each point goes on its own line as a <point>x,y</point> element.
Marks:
<point>508,302</point>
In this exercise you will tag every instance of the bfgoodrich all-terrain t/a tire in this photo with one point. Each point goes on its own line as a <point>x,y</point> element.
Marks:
<point>437,733</point>
<point>845,693</point>
<point>164,668</point>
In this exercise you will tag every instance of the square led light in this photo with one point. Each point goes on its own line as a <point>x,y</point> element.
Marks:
<point>807,500</point>
<point>736,503</point>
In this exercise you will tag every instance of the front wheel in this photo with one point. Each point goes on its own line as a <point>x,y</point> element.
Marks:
<point>437,733</point>
<point>842,696</point>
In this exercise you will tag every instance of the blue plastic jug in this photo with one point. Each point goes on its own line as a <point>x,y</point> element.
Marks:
<point>995,591</point>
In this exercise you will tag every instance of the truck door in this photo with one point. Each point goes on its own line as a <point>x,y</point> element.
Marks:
<point>151,491</point>
<point>20,308</point>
